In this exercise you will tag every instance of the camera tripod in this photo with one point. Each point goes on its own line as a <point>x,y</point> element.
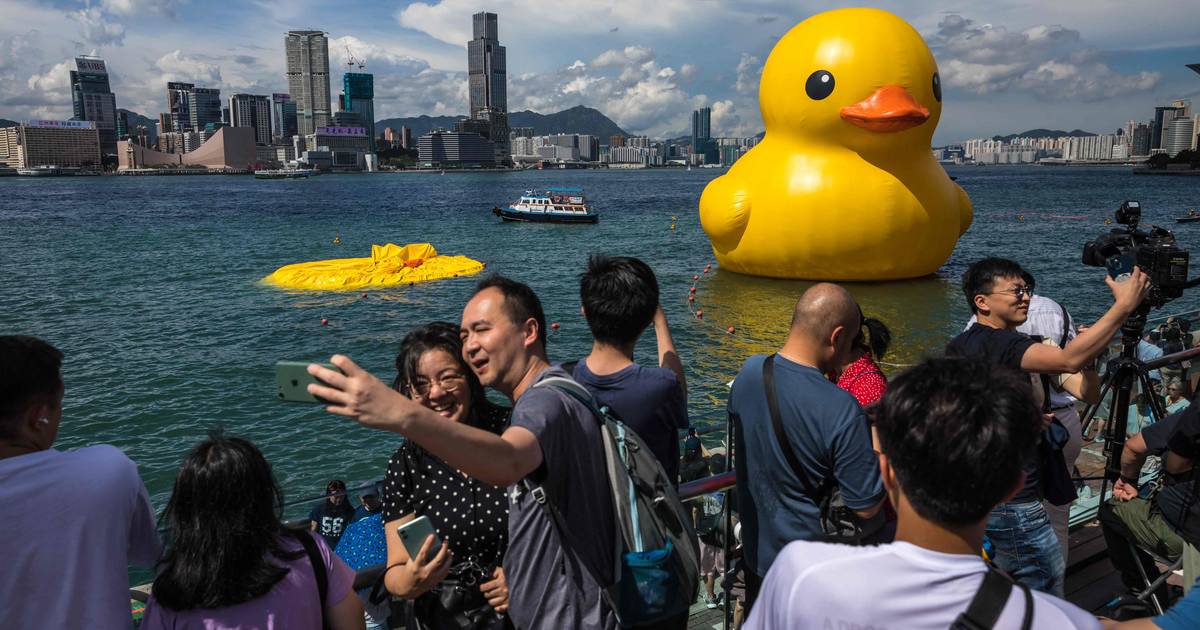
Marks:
<point>1117,386</point>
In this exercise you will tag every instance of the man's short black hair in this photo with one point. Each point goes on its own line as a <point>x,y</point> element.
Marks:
<point>520,302</point>
<point>981,277</point>
<point>619,295</point>
<point>29,375</point>
<point>958,433</point>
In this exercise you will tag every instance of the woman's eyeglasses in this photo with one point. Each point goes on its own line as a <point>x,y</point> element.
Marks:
<point>449,383</point>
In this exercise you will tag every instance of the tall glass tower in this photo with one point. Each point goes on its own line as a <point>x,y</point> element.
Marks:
<point>308,78</point>
<point>92,99</point>
<point>486,66</point>
<point>358,94</point>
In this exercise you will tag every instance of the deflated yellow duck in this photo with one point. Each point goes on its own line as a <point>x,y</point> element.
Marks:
<point>844,185</point>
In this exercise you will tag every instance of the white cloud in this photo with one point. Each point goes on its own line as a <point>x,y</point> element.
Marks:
<point>98,31</point>
<point>578,65</point>
<point>137,7</point>
<point>406,85</point>
<point>177,66</point>
<point>749,71</point>
<point>1047,61</point>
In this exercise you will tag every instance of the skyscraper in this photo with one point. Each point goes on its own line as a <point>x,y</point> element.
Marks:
<point>283,118</point>
<point>308,78</point>
<point>179,105</point>
<point>1179,135</point>
<point>359,97</point>
<point>252,110</point>
<point>204,106</point>
<point>93,99</point>
<point>702,144</point>
<point>486,67</point>
<point>1162,117</point>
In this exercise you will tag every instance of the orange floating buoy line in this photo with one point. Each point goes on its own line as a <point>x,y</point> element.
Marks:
<point>698,313</point>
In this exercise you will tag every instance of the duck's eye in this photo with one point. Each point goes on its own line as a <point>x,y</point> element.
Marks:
<point>937,87</point>
<point>819,85</point>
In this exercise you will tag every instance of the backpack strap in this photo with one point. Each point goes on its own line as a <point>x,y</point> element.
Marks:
<point>569,367</point>
<point>984,610</point>
<point>319,570</point>
<point>768,375</point>
<point>1066,317</point>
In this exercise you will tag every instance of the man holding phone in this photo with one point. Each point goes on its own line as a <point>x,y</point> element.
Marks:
<point>555,577</point>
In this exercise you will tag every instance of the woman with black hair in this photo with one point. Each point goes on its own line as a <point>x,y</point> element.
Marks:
<point>861,376</point>
<point>232,564</point>
<point>461,584</point>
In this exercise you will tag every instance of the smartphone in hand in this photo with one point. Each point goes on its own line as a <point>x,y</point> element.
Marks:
<point>292,379</point>
<point>413,535</point>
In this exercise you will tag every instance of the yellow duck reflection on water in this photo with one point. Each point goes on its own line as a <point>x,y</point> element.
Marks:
<point>844,185</point>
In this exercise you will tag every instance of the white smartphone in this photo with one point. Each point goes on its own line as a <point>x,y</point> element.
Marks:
<point>413,535</point>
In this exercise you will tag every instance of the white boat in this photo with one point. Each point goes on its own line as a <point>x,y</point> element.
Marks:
<point>39,171</point>
<point>553,205</point>
<point>284,173</point>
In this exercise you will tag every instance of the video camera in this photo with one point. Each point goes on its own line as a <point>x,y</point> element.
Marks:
<point>1153,250</point>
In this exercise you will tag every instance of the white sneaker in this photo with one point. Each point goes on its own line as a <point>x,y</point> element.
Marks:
<point>711,602</point>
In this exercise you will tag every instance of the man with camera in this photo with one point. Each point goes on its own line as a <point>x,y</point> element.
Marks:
<point>999,296</point>
<point>1167,523</point>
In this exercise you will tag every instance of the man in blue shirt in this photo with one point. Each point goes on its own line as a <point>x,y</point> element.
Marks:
<point>825,428</point>
<point>620,300</point>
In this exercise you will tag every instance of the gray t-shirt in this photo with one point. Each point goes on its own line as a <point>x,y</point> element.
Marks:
<point>547,587</point>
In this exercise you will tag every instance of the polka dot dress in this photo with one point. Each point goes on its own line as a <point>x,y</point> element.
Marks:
<point>471,515</point>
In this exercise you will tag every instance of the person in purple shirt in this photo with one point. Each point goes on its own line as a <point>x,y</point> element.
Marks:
<point>620,300</point>
<point>232,563</point>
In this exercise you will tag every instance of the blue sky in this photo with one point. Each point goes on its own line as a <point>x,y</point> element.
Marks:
<point>1007,65</point>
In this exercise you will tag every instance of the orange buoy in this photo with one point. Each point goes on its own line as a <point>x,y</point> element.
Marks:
<point>554,326</point>
<point>699,313</point>
<point>729,330</point>
<point>691,298</point>
<point>695,278</point>
<point>692,290</point>
<point>707,268</point>
<point>324,322</point>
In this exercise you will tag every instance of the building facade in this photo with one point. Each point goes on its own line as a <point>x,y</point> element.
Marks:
<point>283,118</point>
<point>358,96</point>
<point>703,148</point>
<point>456,149</point>
<point>1179,136</point>
<point>204,108</point>
<point>486,66</point>
<point>308,78</point>
<point>92,99</point>
<point>254,111</point>
<point>179,106</point>
<point>71,143</point>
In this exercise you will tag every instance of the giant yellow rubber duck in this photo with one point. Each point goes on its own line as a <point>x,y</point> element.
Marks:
<point>844,185</point>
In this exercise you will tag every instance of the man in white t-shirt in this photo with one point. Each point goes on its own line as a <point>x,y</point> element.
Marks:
<point>73,521</point>
<point>955,436</point>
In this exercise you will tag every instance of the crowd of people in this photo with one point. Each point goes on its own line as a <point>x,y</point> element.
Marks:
<point>938,499</point>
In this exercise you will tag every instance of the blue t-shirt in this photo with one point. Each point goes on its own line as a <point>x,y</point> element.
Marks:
<point>1184,615</point>
<point>649,401</point>
<point>827,431</point>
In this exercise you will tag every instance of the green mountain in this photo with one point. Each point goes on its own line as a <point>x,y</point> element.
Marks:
<point>1045,133</point>
<point>578,119</point>
<point>4,122</point>
<point>136,119</point>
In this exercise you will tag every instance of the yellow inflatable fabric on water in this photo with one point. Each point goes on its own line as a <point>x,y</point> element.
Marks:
<point>844,185</point>
<point>388,265</point>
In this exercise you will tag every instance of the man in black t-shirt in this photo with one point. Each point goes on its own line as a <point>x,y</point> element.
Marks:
<point>999,297</point>
<point>333,515</point>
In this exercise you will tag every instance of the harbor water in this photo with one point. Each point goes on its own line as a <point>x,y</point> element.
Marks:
<point>151,287</point>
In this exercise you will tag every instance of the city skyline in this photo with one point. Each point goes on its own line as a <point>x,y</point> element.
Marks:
<point>644,65</point>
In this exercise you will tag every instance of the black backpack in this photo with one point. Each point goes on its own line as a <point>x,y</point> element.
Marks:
<point>984,610</point>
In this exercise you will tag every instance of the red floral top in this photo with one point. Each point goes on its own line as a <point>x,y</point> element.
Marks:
<point>863,380</point>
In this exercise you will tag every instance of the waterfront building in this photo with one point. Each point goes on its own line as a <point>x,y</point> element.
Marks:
<point>71,143</point>
<point>616,141</point>
<point>275,155</point>
<point>1162,117</point>
<point>704,150</point>
<point>486,67</point>
<point>589,147</point>
<point>308,78</point>
<point>389,137</point>
<point>1139,140</point>
<point>122,124</point>
<point>456,149</point>
<point>358,96</point>
<point>164,123</point>
<point>283,118</point>
<point>179,105</point>
<point>521,132</point>
<point>1179,136</point>
<point>92,99</point>
<point>254,111</point>
<point>347,146</point>
<point>406,140</point>
<point>1090,147</point>
<point>204,105</point>
<point>228,148</point>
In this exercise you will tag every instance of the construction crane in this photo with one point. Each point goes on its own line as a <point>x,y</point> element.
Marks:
<point>351,61</point>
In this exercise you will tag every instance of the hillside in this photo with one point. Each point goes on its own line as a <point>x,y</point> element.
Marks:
<point>136,119</point>
<point>1045,133</point>
<point>4,122</point>
<point>578,119</point>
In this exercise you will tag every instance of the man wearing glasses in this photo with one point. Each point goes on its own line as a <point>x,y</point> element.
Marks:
<point>999,297</point>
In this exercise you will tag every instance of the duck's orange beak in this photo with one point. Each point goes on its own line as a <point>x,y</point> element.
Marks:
<point>890,109</point>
